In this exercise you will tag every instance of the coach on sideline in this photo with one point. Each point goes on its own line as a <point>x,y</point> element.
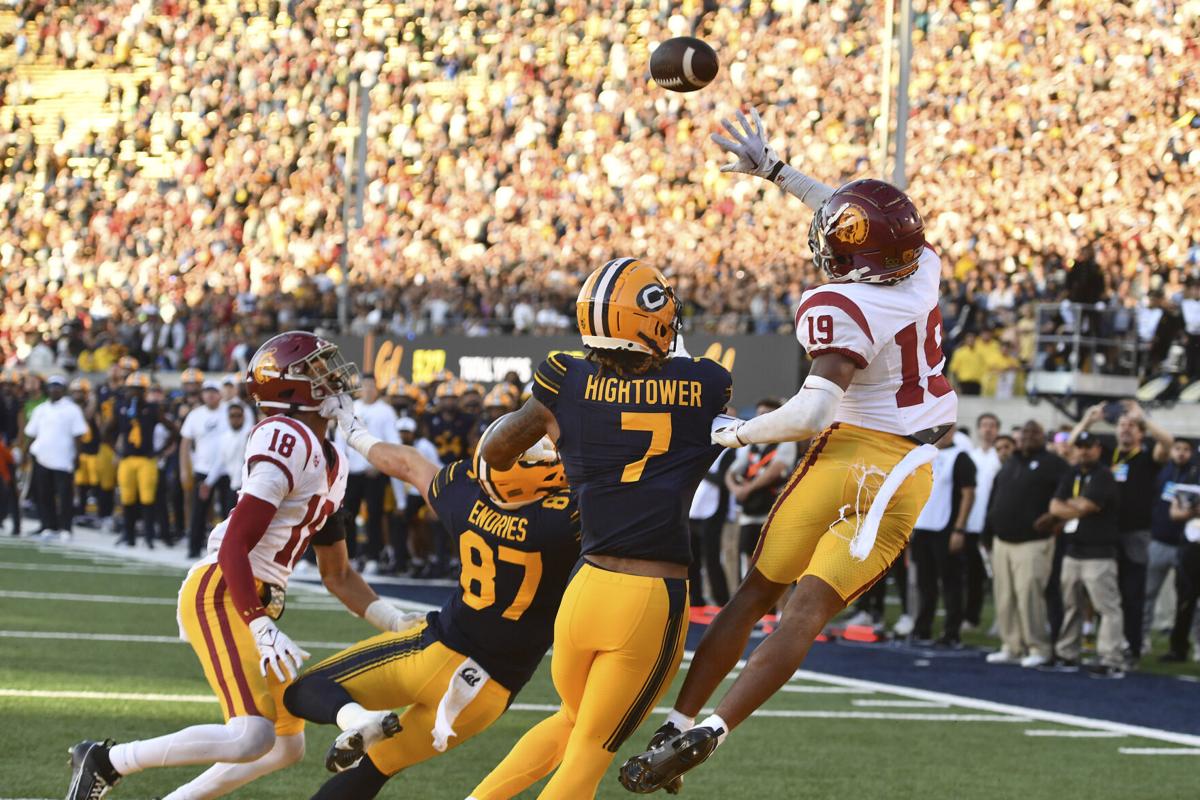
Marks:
<point>55,427</point>
<point>199,455</point>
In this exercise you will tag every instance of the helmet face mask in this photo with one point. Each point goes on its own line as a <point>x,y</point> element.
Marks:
<point>295,371</point>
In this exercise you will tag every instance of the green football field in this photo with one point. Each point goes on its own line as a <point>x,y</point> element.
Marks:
<point>88,649</point>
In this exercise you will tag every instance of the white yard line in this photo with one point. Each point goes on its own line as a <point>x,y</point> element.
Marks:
<point>307,603</point>
<point>872,703</point>
<point>530,707</point>
<point>1160,751</point>
<point>1069,734</point>
<point>802,689</point>
<point>1004,708</point>
<point>139,638</point>
<point>137,570</point>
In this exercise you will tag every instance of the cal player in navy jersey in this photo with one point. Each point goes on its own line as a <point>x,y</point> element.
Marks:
<point>633,426</point>
<point>457,669</point>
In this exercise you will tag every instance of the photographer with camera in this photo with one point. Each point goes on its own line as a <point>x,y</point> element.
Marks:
<point>1185,508</point>
<point>1134,468</point>
<point>755,479</point>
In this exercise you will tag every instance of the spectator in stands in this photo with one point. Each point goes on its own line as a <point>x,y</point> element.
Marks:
<point>754,480</point>
<point>1167,533</point>
<point>56,427</point>
<point>1134,468</point>
<point>939,538</point>
<point>967,366</point>
<point>1087,500</point>
<point>199,457</point>
<point>987,464</point>
<point>1185,508</point>
<point>709,510</point>
<point>1022,541</point>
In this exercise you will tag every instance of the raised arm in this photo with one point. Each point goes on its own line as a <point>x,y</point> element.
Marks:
<point>514,433</point>
<point>756,157</point>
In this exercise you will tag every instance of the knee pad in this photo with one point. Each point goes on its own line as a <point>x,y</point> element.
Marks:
<point>251,737</point>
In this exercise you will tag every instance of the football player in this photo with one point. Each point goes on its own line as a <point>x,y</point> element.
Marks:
<point>633,426</point>
<point>292,482</point>
<point>457,669</point>
<point>136,422</point>
<point>875,399</point>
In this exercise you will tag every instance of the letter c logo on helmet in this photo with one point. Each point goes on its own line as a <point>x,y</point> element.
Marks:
<point>652,297</point>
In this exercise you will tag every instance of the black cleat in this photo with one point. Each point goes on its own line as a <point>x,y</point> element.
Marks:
<point>349,748</point>
<point>92,774</point>
<point>662,767</point>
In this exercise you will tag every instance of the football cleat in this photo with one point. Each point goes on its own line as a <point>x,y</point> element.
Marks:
<point>659,767</point>
<point>665,732</point>
<point>92,774</point>
<point>350,746</point>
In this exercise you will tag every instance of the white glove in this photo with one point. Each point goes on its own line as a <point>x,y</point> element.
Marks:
<point>340,408</point>
<point>386,617</point>
<point>543,451</point>
<point>275,648</point>
<point>724,431</point>
<point>754,155</point>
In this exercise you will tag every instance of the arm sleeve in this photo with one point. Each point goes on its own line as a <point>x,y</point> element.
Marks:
<point>828,321</point>
<point>548,379</point>
<point>965,472</point>
<point>249,521</point>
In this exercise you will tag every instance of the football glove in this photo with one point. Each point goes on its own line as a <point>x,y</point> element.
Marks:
<point>340,408</point>
<point>725,431</point>
<point>276,649</point>
<point>543,451</point>
<point>754,155</point>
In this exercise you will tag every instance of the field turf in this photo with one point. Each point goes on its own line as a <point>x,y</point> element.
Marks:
<point>821,740</point>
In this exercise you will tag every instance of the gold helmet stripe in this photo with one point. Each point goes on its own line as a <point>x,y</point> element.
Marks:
<point>586,296</point>
<point>604,291</point>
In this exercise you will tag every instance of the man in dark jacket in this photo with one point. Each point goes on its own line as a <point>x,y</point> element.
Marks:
<point>1023,550</point>
<point>1087,500</point>
<point>1166,533</point>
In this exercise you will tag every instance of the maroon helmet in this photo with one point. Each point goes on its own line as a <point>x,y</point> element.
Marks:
<point>296,370</point>
<point>868,231</point>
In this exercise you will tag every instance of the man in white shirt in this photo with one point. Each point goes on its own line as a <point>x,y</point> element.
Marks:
<point>365,483</point>
<point>987,464</point>
<point>56,427</point>
<point>410,532</point>
<point>199,454</point>
<point>225,481</point>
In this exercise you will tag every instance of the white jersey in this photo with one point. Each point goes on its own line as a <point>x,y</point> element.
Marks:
<point>286,467</point>
<point>894,335</point>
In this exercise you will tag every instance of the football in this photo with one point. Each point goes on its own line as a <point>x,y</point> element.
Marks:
<point>684,64</point>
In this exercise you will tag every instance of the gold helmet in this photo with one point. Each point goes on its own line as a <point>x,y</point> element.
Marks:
<point>502,395</point>
<point>523,483</point>
<point>192,375</point>
<point>628,305</point>
<point>81,385</point>
<point>450,388</point>
<point>138,380</point>
<point>397,387</point>
<point>128,363</point>
<point>418,397</point>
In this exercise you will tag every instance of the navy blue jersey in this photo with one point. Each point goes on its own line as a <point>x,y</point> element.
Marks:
<point>136,420</point>
<point>450,436</point>
<point>515,568</point>
<point>635,448</point>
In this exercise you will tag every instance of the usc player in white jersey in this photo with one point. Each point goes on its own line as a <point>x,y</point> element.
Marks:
<point>293,482</point>
<point>874,402</point>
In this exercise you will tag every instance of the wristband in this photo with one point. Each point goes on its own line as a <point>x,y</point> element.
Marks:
<point>362,440</point>
<point>382,614</point>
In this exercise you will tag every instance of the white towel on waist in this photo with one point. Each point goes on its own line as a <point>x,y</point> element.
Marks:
<point>468,681</point>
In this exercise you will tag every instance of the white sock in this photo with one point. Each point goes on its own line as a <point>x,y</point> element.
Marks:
<point>221,779</point>
<point>241,739</point>
<point>681,721</point>
<point>718,725</point>
<point>350,716</point>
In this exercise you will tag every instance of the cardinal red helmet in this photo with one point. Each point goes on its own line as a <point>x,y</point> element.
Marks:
<point>868,231</point>
<point>296,370</point>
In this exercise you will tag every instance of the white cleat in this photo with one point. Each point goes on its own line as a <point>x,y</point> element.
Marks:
<point>1005,657</point>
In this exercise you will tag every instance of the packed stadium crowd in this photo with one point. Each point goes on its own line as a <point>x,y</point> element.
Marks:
<point>514,145</point>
